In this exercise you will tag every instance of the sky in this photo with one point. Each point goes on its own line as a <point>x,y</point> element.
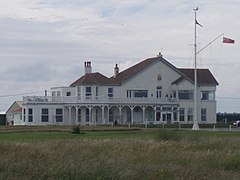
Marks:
<point>44,43</point>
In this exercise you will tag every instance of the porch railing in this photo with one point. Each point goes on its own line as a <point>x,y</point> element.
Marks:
<point>91,99</point>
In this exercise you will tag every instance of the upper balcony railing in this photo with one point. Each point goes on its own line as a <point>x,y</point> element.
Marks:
<point>92,99</point>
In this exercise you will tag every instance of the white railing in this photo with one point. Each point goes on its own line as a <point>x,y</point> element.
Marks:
<point>91,99</point>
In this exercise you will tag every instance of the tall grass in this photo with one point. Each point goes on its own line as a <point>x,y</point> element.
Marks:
<point>123,155</point>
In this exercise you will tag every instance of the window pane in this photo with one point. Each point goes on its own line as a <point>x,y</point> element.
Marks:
<point>208,95</point>
<point>166,109</point>
<point>30,118</point>
<point>44,118</point>
<point>44,115</point>
<point>88,91</point>
<point>58,93</point>
<point>44,111</point>
<point>59,119</point>
<point>181,114</point>
<point>140,93</point>
<point>190,114</point>
<point>96,91</point>
<point>110,90</point>
<point>204,114</point>
<point>185,95</point>
<point>68,93</point>
<point>58,111</point>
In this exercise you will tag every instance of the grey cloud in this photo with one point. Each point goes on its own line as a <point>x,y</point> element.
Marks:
<point>27,72</point>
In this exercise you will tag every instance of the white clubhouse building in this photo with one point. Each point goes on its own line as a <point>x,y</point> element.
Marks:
<point>152,91</point>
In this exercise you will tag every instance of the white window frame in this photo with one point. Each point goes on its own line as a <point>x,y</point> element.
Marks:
<point>59,116</point>
<point>88,93</point>
<point>45,115</point>
<point>30,115</point>
<point>204,114</point>
<point>189,95</point>
<point>110,93</point>
<point>181,114</point>
<point>208,95</point>
<point>190,114</point>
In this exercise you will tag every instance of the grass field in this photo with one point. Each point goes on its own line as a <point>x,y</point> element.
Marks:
<point>136,154</point>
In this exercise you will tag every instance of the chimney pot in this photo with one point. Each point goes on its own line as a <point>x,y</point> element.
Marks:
<point>88,68</point>
<point>116,71</point>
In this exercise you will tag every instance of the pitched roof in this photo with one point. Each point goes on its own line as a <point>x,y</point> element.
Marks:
<point>14,106</point>
<point>204,76</point>
<point>92,79</point>
<point>133,70</point>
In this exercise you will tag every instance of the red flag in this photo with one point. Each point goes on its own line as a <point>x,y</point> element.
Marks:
<point>227,40</point>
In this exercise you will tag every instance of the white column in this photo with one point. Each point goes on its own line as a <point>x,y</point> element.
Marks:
<point>69,115</point>
<point>161,114</point>
<point>120,115</point>
<point>90,116</point>
<point>155,115</point>
<point>23,116</point>
<point>103,118</point>
<point>26,114</point>
<point>76,122</point>
<point>132,107</point>
<point>108,114</point>
<point>144,119</point>
<point>178,114</point>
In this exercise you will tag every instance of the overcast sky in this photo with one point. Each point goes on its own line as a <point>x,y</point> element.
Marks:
<point>43,43</point>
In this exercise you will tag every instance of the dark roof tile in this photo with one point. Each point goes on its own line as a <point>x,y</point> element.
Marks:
<point>92,79</point>
<point>133,70</point>
<point>204,76</point>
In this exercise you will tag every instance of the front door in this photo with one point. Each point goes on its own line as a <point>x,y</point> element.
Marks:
<point>167,117</point>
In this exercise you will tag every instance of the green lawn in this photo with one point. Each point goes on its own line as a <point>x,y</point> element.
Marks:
<point>140,154</point>
<point>30,136</point>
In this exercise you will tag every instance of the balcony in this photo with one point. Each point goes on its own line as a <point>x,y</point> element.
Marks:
<point>95,100</point>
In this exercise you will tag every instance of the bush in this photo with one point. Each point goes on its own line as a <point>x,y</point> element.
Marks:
<point>76,130</point>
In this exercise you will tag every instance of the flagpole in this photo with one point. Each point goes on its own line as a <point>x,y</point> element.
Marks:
<point>195,121</point>
<point>210,43</point>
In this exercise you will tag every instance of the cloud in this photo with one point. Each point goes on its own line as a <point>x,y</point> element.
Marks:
<point>45,42</point>
<point>27,72</point>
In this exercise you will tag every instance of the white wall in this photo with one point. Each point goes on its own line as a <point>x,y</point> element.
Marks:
<point>208,104</point>
<point>37,114</point>
<point>63,91</point>
<point>148,80</point>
